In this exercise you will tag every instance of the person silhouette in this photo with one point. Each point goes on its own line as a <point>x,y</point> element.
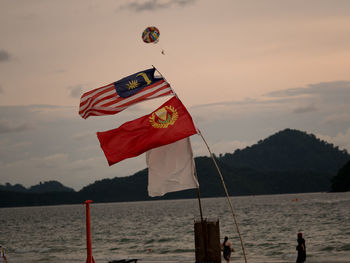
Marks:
<point>301,248</point>
<point>227,249</point>
<point>3,258</point>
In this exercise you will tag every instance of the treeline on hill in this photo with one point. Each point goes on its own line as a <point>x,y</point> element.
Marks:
<point>341,182</point>
<point>289,161</point>
<point>46,187</point>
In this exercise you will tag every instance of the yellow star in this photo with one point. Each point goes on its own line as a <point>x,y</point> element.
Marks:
<point>132,84</point>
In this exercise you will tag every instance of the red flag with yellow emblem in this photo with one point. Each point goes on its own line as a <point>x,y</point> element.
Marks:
<point>167,124</point>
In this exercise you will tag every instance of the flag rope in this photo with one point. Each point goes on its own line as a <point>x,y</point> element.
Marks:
<point>227,195</point>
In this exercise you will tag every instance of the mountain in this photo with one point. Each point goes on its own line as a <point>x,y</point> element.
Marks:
<point>47,193</point>
<point>46,187</point>
<point>131,188</point>
<point>341,182</point>
<point>289,150</point>
<point>49,187</point>
<point>289,161</point>
<point>13,188</point>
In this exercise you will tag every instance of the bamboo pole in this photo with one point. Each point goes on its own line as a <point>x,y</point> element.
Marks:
<point>204,229</point>
<point>199,197</point>
<point>222,180</point>
<point>227,195</point>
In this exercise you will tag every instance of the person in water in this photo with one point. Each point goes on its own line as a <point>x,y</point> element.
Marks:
<point>227,249</point>
<point>2,255</point>
<point>301,248</point>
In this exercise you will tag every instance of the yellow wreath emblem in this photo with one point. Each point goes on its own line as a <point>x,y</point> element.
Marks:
<point>166,116</point>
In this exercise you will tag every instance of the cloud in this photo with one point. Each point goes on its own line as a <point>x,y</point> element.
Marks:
<point>341,139</point>
<point>326,97</point>
<point>51,112</point>
<point>305,109</point>
<point>73,172</point>
<point>152,5</point>
<point>287,92</point>
<point>323,89</point>
<point>64,146</point>
<point>337,119</point>
<point>84,136</point>
<point>21,145</point>
<point>330,86</point>
<point>248,102</point>
<point>52,161</point>
<point>220,147</point>
<point>75,91</point>
<point>320,108</point>
<point>8,126</point>
<point>4,56</point>
<point>20,114</point>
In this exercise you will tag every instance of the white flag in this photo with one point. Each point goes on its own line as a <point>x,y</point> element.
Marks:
<point>171,168</point>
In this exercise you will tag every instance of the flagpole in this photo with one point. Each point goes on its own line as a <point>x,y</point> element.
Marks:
<point>201,214</point>
<point>166,81</point>
<point>227,195</point>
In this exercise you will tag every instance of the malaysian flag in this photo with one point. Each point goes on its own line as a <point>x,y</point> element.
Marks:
<point>119,95</point>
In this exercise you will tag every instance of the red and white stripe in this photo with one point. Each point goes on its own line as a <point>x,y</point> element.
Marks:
<point>106,101</point>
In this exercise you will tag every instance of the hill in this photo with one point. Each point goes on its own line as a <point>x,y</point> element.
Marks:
<point>13,188</point>
<point>49,187</point>
<point>46,187</point>
<point>289,161</point>
<point>341,182</point>
<point>290,150</point>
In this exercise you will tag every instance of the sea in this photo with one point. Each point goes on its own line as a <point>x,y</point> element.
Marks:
<point>163,231</point>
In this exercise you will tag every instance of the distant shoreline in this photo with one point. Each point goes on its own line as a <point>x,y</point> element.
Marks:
<point>151,199</point>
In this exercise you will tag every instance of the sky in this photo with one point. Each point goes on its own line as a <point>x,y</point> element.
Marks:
<point>244,69</point>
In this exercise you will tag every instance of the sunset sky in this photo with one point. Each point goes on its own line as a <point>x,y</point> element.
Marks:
<point>244,70</point>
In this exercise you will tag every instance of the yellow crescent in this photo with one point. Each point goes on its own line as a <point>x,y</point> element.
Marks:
<point>145,77</point>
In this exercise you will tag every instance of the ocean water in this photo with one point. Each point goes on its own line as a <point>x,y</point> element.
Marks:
<point>162,231</point>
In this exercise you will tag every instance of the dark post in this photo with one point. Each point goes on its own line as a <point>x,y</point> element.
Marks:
<point>90,258</point>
